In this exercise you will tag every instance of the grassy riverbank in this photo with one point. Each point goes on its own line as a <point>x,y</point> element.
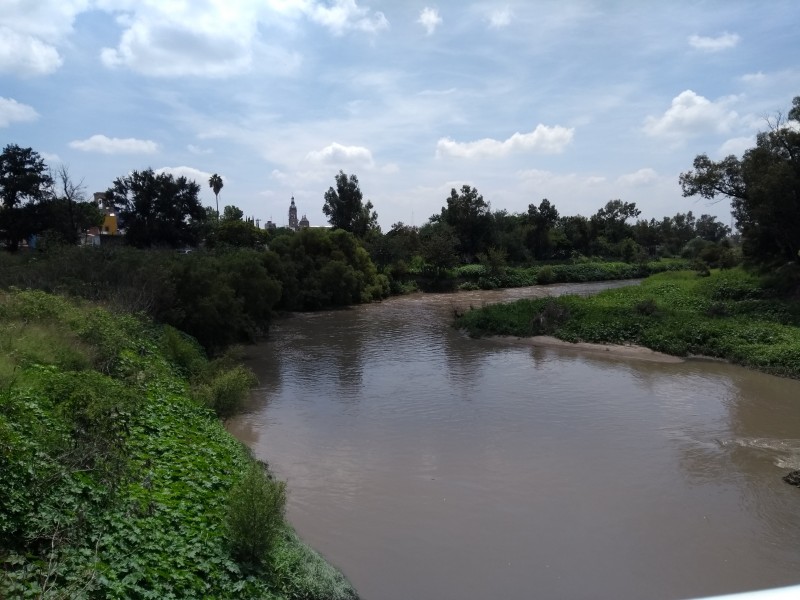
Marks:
<point>118,480</point>
<point>728,315</point>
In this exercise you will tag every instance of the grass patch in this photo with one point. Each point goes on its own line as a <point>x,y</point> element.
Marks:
<point>727,315</point>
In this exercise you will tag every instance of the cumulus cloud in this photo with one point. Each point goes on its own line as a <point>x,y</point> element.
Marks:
<point>429,18</point>
<point>638,178</point>
<point>106,145</point>
<point>714,44</point>
<point>173,39</point>
<point>167,38</point>
<point>500,17</point>
<point>346,15</point>
<point>336,154</point>
<point>192,174</point>
<point>31,33</point>
<point>737,145</point>
<point>691,114</point>
<point>26,55</point>
<point>544,139</point>
<point>12,111</point>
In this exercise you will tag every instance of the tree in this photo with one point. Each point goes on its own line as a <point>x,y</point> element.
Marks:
<point>764,189</point>
<point>470,217</point>
<point>215,183</point>
<point>611,220</point>
<point>345,209</point>
<point>232,213</point>
<point>158,209</point>
<point>24,182</point>
<point>541,221</point>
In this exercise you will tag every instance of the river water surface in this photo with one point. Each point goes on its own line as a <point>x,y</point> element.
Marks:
<point>427,465</point>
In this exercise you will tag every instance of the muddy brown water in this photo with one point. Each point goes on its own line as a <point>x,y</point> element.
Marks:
<point>427,465</point>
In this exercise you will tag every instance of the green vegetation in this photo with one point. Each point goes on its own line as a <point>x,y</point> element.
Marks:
<point>729,314</point>
<point>115,481</point>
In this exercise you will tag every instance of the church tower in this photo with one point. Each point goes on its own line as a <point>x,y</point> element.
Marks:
<point>293,216</point>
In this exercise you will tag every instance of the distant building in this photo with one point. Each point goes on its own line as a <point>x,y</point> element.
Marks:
<point>110,224</point>
<point>304,222</point>
<point>293,216</point>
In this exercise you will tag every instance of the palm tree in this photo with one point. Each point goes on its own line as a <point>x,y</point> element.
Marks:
<point>215,183</point>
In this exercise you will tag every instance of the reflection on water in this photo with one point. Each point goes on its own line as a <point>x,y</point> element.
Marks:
<point>429,465</point>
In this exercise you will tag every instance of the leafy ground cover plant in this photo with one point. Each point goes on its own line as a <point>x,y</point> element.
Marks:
<point>114,481</point>
<point>728,315</point>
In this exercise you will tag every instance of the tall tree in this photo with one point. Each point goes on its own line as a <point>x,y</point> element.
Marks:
<point>541,221</point>
<point>764,189</point>
<point>471,219</point>
<point>611,221</point>
<point>24,182</point>
<point>345,208</point>
<point>158,209</point>
<point>215,183</point>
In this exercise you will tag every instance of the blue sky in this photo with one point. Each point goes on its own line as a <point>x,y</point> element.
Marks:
<point>577,102</point>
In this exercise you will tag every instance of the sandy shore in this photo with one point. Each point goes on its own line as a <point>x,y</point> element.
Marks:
<point>622,351</point>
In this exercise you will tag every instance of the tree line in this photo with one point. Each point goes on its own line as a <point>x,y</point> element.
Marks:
<point>355,261</point>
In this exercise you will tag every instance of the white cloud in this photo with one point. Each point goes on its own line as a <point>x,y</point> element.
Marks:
<point>737,145</point>
<point>166,40</point>
<point>714,44</point>
<point>429,18</point>
<point>26,55</point>
<point>336,154</point>
<point>12,111</point>
<point>753,77</point>
<point>639,178</point>
<point>198,149</point>
<point>500,17</point>
<point>31,33</point>
<point>691,114</point>
<point>192,174</point>
<point>50,157</point>
<point>346,15</point>
<point>107,145</point>
<point>544,139</point>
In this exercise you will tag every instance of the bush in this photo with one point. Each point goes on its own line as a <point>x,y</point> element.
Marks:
<point>646,307</point>
<point>545,275</point>
<point>256,508</point>
<point>224,390</point>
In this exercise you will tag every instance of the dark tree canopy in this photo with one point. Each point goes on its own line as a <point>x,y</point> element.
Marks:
<point>24,183</point>
<point>345,208</point>
<point>471,219</point>
<point>764,189</point>
<point>158,209</point>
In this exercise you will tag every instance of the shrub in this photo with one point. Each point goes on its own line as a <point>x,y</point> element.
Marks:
<point>224,390</point>
<point>552,315</point>
<point>545,275</point>
<point>182,350</point>
<point>256,508</point>
<point>646,307</point>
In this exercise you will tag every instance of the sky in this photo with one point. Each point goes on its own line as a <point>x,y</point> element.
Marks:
<point>579,102</point>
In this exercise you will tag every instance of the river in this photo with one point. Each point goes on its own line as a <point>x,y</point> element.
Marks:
<point>427,465</point>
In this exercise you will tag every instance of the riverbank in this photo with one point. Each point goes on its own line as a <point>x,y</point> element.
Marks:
<point>116,477</point>
<point>627,351</point>
<point>727,315</point>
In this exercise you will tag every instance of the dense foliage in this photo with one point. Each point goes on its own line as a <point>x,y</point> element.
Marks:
<point>34,202</point>
<point>156,209</point>
<point>220,297</point>
<point>764,188</point>
<point>729,315</point>
<point>116,482</point>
